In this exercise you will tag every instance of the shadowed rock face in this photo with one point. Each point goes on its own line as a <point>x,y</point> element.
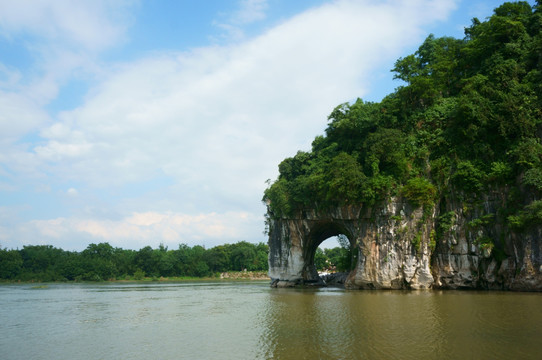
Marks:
<point>399,246</point>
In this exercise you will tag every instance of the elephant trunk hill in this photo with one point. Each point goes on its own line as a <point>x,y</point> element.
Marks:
<point>436,186</point>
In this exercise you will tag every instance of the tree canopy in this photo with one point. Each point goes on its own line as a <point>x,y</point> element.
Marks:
<point>468,117</point>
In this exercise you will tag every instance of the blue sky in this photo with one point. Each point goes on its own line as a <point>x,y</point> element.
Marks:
<point>148,122</point>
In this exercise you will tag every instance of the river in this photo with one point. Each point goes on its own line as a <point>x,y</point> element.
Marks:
<point>250,320</point>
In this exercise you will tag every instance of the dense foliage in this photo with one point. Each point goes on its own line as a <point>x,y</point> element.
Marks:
<point>101,261</point>
<point>104,262</point>
<point>467,119</point>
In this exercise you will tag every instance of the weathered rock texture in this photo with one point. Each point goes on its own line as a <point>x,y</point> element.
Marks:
<point>457,244</point>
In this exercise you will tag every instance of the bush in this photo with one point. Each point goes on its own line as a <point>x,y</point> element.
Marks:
<point>530,215</point>
<point>468,177</point>
<point>419,191</point>
<point>139,274</point>
<point>533,177</point>
<point>500,172</point>
<point>485,242</point>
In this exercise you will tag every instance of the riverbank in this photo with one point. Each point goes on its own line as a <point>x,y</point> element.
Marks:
<point>230,275</point>
<point>245,275</point>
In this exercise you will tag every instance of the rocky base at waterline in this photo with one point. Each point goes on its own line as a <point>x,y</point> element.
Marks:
<point>277,283</point>
<point>335,279</point>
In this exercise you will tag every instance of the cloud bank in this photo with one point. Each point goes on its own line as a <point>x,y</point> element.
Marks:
<point>214,121</point>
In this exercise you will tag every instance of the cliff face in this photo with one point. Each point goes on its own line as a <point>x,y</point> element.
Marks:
<point>393,249</point>
<point>480,250</point>
<point>457,244</point>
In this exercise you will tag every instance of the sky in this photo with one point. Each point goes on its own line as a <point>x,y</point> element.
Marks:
<point>140,123</point>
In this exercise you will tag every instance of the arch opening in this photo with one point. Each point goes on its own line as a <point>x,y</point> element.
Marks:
<point>333,261</point>
<point>333,255</point>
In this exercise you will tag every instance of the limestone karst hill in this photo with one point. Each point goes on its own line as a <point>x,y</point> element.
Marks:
<point>439,184</point>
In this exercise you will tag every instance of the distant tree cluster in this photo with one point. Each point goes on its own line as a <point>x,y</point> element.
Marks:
<point>337,259</point>
<point>468,119</point>
<point>103,262</point>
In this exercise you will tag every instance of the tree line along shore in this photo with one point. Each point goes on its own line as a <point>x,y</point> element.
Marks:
<point>103,262</point>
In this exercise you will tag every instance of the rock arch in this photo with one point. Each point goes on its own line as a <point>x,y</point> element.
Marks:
<point>321,231</point>
<point>391,243</point>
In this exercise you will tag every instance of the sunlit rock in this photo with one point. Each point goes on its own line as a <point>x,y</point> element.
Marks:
<point>399,246</point>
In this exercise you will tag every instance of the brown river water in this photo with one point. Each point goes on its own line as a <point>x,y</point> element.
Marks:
<point>250,320</point>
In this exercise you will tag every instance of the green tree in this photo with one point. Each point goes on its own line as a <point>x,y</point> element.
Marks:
<point>11,264</point>
<point>419,191</point>
<point>345,180</point>
<point>148,261</point>
<point>218,258</point>
<point>41,262</point>
<point>320,260</point>
<point>243,256</point>
<point>262,255</point>
<point>98,262</point>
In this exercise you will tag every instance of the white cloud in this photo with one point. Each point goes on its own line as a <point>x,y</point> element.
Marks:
<point>72,192</point>
<point>62,38</point>
<point>91,24</point>
<point>218,120</point>
<point>225,116</point>
<point>149,228</point>
<point>19,115</point>
<point>249,11</point>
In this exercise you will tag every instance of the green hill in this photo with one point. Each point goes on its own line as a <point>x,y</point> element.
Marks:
<point>466,121</point>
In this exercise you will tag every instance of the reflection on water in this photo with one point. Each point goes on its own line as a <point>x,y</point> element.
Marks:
<point>336,325</point>
<point>249,320</point>
<point>404,325</point>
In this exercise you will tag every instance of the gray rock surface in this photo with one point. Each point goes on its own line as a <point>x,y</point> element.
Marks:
<point>399,246</point>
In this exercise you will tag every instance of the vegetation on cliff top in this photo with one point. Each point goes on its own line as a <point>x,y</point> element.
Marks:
<point>468,118</point>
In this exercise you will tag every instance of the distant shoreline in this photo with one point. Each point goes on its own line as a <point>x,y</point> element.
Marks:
<point>245,275</point>
<point>227,276</point>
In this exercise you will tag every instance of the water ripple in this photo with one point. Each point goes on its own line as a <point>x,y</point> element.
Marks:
<point>252,321</point>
